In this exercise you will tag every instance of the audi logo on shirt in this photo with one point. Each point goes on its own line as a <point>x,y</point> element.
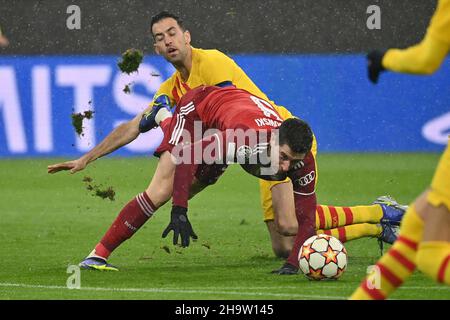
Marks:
<point>307,179</point>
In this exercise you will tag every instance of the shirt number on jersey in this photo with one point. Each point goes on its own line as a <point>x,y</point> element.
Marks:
<point>266,108</point>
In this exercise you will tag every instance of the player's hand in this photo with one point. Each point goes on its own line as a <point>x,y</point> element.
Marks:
<point>73,166</point>
<point>180,225</point>
<point>286,269</point>
<point>3,41</point>
<point>374,64</point>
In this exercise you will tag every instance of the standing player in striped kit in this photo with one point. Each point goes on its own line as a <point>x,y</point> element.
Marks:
<point>424,239</point>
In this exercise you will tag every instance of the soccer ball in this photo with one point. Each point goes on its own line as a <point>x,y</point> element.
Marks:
<point>322,257</point>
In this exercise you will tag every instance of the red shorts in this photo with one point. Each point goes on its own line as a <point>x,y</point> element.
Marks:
<point>206,173</point>
<point>209,173</point>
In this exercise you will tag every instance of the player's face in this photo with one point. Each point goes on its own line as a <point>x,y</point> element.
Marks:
<point>288,159</point>
<point>171,41</point>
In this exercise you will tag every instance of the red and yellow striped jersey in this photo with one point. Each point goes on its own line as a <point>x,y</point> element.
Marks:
<point>212,67</point>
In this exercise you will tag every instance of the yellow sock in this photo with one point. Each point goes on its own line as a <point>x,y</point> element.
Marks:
<point>354,231</point>
<point>433,258</point>
<point>397,264</point>
<point>328,217</point>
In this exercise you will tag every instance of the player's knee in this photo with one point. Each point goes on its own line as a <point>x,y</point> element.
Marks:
<point>427,210</point>
<point>160,193</point>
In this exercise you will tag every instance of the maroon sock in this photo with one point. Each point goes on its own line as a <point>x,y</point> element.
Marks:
<point>306,218</point>
<point>130,219</point>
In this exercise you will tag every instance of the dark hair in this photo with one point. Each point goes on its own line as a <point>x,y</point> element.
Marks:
<point>297,134</point>
<point>163,15</point>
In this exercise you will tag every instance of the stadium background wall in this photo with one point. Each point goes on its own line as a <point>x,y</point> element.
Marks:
<point>306,55</point>
<point>252,26</point>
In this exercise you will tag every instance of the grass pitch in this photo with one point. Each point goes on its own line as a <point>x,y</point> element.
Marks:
<point>48,222</point>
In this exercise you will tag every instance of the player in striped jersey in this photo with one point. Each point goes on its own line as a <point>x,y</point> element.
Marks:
<point>424,239</point>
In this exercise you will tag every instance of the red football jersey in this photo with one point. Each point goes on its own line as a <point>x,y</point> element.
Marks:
<point>229,108</point>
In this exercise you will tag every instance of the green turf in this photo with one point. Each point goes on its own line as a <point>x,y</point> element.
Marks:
<point>48,222</point>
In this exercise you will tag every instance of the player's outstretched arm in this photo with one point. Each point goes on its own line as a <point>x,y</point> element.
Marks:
<point>73,166</point>
<point>423,58</point>
<point>120,136</point>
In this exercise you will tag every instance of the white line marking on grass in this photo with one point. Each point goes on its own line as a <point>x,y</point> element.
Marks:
<point>169,290</point>
<point>319,285</point>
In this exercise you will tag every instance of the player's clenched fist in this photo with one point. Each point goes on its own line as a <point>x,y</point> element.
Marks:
<point>180,225</point>
<point>73,166</point>
<point>375,65</point>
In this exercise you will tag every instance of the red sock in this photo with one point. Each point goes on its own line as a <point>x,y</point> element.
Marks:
<point>130,219</point>
<point>306,218</point>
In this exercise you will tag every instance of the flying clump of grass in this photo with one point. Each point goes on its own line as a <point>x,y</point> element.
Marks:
<point>77,120</point>
<point>99,190</point>
<point>127,89</point>
<point>131,59</point>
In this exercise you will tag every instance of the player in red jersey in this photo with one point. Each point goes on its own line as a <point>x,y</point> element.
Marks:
<point>248,131</point>
<point>195,67</point>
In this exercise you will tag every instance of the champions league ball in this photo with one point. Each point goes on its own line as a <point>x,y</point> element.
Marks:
<point>322,257</point>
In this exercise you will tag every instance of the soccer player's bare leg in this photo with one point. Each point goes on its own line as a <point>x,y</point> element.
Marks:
<point>436,219</point>
<point>160,188</point>
<point>433,255</point>
<point>281,244</point>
